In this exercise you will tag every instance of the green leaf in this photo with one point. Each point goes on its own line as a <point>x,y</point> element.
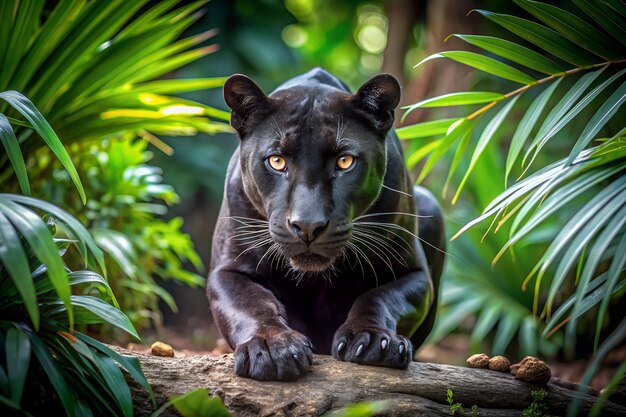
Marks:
<point>129,363</point>
<point>44,42</point>
<point>455,99</point>
<point>561,108</point>
<point>74,229</point>
<point>483,141</point>
<point>17,348</point>
<point>613,274</point>
<point>115,383</point>
<point>599,119</point>
<point>459,130</point>
<point>362,409</point>
<point>102,309</point>
<point>12,147</point>
<point>513,52</point>
<point>425,129</point>
<point>506,330</point>
<point>458,154</point>
<point>15,262</point>
<point>196,403</point>
<point>605,16</point>
<point>572,27</point>
<point>25,23</point>
<point>543,37</point>
<point>40,240</point>
<point>119,247</point>
<point>53,373</point>
<point>526,125</point>
<point>483,63</point>
<point>40,124</point>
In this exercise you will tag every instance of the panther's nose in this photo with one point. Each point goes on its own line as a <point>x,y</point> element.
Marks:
<point>307,230</point>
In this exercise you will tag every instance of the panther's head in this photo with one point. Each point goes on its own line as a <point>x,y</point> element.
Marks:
<point>313,158</point>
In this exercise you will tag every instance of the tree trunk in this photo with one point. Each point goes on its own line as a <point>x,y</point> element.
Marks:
<point>330,385</point>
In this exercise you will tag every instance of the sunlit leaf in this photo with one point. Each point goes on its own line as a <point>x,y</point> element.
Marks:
<point>484,63</point>
<point>514,52</point>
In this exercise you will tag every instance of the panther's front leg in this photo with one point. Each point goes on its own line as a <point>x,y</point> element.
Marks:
<point>254,323</point>
<point>382,320</point>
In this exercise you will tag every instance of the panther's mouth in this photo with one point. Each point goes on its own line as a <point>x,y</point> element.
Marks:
<point>311,262</point>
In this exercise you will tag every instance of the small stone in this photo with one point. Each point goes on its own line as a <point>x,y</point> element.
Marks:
<point>514,369</point>
<point>162,349</point>
<point>499,363</point>
<point>532,369</point>
<point>480,360</point>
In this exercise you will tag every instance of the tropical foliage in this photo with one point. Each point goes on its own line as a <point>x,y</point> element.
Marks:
<point>94,82</point>
<point>43,300</point>
<point>89,67</point>
<point>576,108</point>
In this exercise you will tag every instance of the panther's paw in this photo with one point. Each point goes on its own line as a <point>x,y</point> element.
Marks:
<point>372,346</point>
<point>284,356</point>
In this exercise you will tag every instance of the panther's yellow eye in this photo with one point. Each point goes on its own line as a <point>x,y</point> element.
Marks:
<point>277,162</point>
<point>345,162</point>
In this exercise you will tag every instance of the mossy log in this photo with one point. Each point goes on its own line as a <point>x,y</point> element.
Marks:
<point>330,385</point>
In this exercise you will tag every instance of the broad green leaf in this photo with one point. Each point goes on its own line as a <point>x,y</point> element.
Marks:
<point>572,27</point>
<point>543,37</point>
<point>129,363</point>
<point>483,141</point>
<point>6,24</point>
<point>115,383</point>
<point>599,119</point>
<point>12,147</point>
<point>425,129</point>
<point>485,322</point>
<point>513,52</point>
<point>74,229</point>
<point>103,310</point>
<point>14,260</point>
<point>53,373</point>
<point>43,128</point>
<point>119,247</point>
<point>455,99</point>
<point>613,274</point>
<point>17,348</point>
<point>605,17</point>
<point>197,403</point>
<point>483,63</point>
<point>34,230</point>
<point>152,289</point>
<point>526,125</point>
<point>362,409</point>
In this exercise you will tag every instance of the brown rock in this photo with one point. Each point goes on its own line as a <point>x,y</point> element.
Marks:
<point>532,369</point>
<point>480,360</point>
<point>162,349</point>
<point>514,368</point>
<point>499,363</point>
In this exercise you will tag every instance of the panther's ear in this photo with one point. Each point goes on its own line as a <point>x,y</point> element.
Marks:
<point>377,99</point>
<point>245,98</point>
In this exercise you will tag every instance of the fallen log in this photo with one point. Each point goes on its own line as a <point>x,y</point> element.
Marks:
<point>330,385</point>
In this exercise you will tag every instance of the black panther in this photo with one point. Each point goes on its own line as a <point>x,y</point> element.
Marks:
<point>318,246</point>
